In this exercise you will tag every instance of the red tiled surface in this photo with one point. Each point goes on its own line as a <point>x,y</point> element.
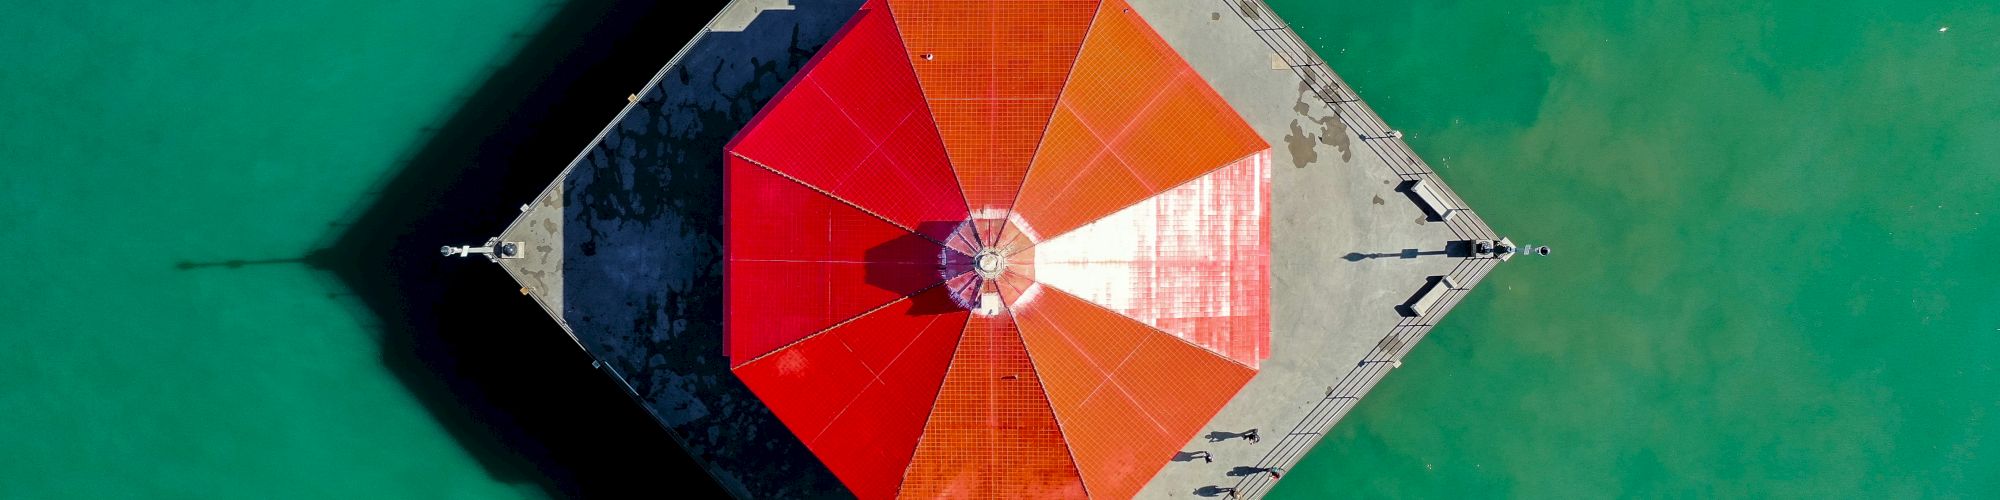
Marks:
<point>798,261</point>
<point>991,434</point>
<point>1135,120</point>
<point>853,123</point>
<point>858,395</point>
<point>991,71</point>
<point>1066,136</point>
<point>1194,261</point>
<point>1127,395</point>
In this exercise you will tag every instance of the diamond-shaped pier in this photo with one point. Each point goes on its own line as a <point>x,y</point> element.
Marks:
<point>1368,246</point>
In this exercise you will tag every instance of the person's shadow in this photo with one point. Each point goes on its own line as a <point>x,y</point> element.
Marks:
<point>1210,491</point>
<point>1243,470</point>
<point>1220,436</point>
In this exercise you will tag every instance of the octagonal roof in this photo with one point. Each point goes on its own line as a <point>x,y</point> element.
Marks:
<point>996,249</point>
<point>622,249</point>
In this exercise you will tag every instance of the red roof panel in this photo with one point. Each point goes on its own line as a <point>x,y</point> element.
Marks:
<point>854,124</point>
<point>859,394</point>
<point>799,261</point>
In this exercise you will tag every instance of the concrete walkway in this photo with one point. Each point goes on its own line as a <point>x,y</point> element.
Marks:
<point>1347,246</point>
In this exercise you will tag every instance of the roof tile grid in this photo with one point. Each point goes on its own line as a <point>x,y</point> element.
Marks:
<point>800,261</point>
<point>1151,118</point>
<point>930,130</point>
<point>859,394</point>
<point>1193,261</point>
<point>1127,395</point>
<point>991,433</point>
<point>991,72</point>
<point>853,123</point>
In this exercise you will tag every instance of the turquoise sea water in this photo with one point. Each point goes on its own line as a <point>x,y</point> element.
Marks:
<point>138,134</point>
<point>1774,227</point>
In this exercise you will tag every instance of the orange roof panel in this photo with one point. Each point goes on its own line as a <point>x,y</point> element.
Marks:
<point>1127,395</point>
<point>1193,261</point>
<point>991,433</point>
<point>1154,121</point>
<point>991,72</point>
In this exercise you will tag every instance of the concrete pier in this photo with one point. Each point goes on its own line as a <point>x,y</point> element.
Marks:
<point>624,248</point>
<point>1336,326</point>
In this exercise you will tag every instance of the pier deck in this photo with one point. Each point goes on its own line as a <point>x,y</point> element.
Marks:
<point>1341,232</point>
<point>624,247</point>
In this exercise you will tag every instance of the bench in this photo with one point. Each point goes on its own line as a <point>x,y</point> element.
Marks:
<point>1429,296</point>
<point>1432,202</point>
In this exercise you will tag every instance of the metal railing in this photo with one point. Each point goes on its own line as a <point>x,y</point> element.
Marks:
<point>1388,145</point>
<point>1384,141</point>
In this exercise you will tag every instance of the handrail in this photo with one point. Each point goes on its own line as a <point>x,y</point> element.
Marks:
<point>1387,145</point>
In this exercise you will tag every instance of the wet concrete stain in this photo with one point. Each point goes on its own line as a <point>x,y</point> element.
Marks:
<point>1332,131</point>
<point>1304,145</point>
<point>1301,144</point>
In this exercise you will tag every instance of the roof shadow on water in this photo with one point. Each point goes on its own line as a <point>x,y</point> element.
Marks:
<point>495,371</point>
<point>642,246</point>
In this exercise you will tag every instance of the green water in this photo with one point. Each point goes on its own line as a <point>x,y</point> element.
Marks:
<point>138,134</point>
<point>1775,229</point>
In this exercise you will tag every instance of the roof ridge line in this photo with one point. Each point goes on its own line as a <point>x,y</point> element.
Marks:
<point>1043,389</point>
<point>932,414</point>
<point>877,380</point>
<point>830,328</point>
<point>1109,373</point>
<point>896,23</point>
<point>1148,326</point>
<point>1053,108</point>
<point>1190,180</point>
<point>843,201</point>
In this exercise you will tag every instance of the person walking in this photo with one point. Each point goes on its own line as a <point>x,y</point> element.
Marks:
<point>1250,435</point>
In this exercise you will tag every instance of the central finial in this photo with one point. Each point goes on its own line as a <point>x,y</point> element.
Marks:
<point>989,263</point>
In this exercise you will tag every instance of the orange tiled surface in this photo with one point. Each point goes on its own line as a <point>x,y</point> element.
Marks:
<point>1135,120</point>
<point>1128,396</point>
<point>991,71</point>
<point>1050,114</point>
<point>991,434</point>
<point>1194,261</point>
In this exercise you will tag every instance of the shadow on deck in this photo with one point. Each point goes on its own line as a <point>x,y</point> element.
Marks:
<point>487,363</point>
